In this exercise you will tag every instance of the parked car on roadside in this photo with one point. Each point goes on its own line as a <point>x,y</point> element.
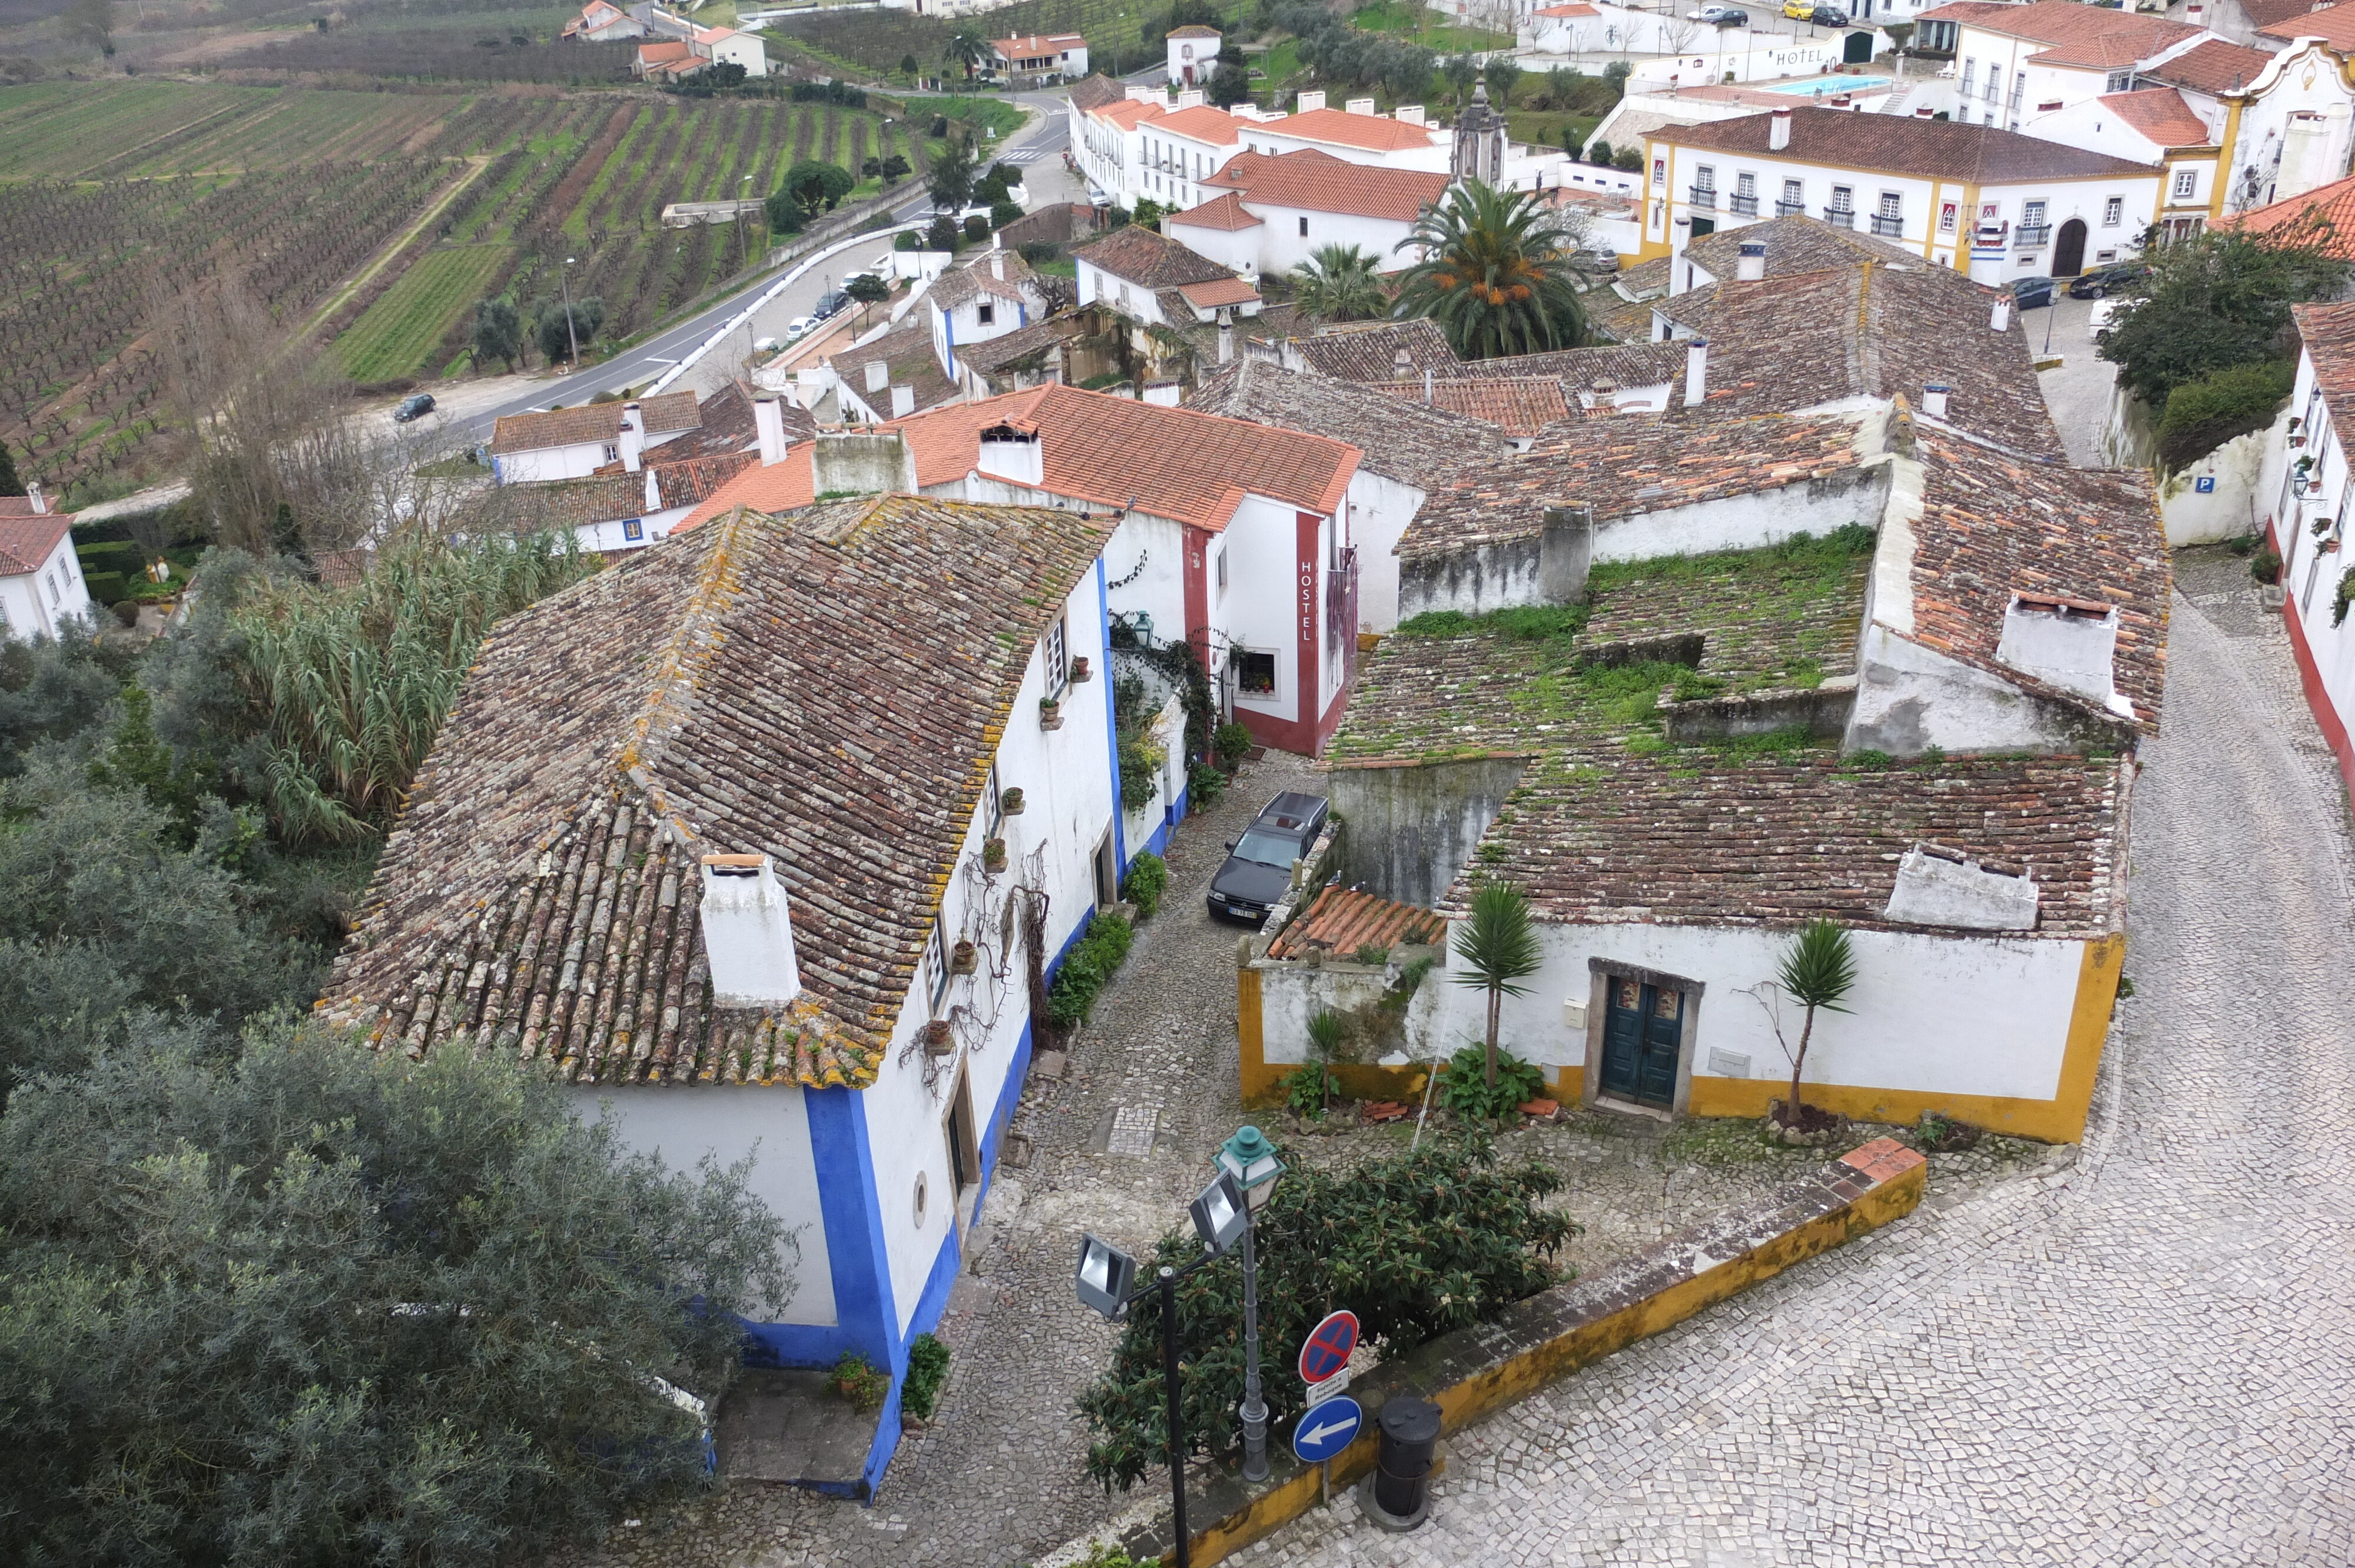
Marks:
<point>1719,17</point>
<point>2099,282</point>
<point>415,405</point>
<point>1830,16</point>
<point>797,328</point>
<point>1258,866</point>
<point>2029,293</point>
<point>828,303</point>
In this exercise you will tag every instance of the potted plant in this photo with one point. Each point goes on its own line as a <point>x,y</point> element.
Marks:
<point>1080,671</point>
<point>1051,714</point>
<point>993,854</point>
<point>1010,802</point>
<point>964,959</point>
<point>2265,566</point>
<point>938,1039</point>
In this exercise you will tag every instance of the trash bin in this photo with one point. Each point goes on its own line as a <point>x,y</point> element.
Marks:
<point>1410,1429</point>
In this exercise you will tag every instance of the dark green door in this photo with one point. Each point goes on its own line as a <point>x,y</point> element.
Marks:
<point>1858,51</point>
<point>1701,226</point>
<point>1642,1033</point>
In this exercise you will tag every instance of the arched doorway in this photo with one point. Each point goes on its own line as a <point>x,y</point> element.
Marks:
<point>1857,49</point>
<point>2068,252</point>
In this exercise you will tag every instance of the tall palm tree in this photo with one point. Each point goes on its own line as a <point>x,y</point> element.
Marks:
<point>1499,945</point>
<point>1494,273</point>
<point>966,48</point>
<point>1818,971</point>
<point>1338,283</point>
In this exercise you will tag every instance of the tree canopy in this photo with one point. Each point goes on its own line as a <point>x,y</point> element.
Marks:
<point>1493,272</point>
<point>498,332</point>
<point>950,176</point>
<point>2214,300</point>
<point>1338,283</point>
<point>548,329</point>
<point>815,186</point>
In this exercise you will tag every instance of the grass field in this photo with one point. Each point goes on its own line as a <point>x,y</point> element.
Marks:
<point>402,332</point>
<point>1116,30</point>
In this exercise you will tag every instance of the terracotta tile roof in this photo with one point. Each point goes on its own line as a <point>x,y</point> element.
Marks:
<point>1623,466</point>
<point>1516,405</point>
<point>1573,9</point>
<point>2265,13</point>
<point>27,537</point>
<point>907,350</point>
<point>608,495</point>
<point>978,276</point>
<point>1225,213</point>
<point>2324,217</point>
<point>1370,133</point>
<point>1319,182</point>
<point>2211,65</point>
<point>591,422</point>
<point>1600,831</point>
<point>779,487</point>
<point>1093,92</point>
<point>2160,114</point>
<point>1201,124</point>
<point>2334,24</point>
<point>999,355</point>
<point>1127,112</point>
<point>538,895</point>
<point>1036,45</point>
<point>1397,438</point>
<point>2071,24</point>
<point>2329,334</point>
<point>1177,463</point>
<point>1194,30</point>
<point>1889,143</point>
<point>1218,291</point>
<point>1583,369</point>
<point>1995,523</point>
<point>1343,920</point>
<point>1367,351</point>
<point>1136,255</point>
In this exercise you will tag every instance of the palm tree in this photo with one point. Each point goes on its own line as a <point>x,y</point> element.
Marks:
<point>1338,283</point>
<point>1499,945</point>
<point>1495,274</point>
<point>1816,972</point>
<point>966,48</point>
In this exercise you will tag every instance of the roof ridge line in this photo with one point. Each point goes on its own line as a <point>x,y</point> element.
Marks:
<point>691,646</point>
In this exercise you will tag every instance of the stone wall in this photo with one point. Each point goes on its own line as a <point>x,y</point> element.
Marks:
<point>1822,711</point>
<point>1411,826</point>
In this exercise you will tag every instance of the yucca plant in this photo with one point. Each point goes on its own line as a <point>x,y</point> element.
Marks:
<point>1493,272</point>
<point>1338,283</point>
<point>1499,944</point>
<point>351,683</point>
<point>1819,970</point>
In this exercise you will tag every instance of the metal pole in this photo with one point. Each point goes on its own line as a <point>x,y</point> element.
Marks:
<point>1176,1413</point>
<point>570,335</point>
<point>1254,1410</point>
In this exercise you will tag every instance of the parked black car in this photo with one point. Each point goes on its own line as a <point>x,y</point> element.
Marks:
<point>1259,864</point>
<point>1830,16</point>
<point>832,301</point>
<point>2099,282</point>
<point>2029,294</point>
<point>415,405</point>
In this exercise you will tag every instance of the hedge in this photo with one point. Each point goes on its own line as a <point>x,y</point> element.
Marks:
<point>2203,415</point>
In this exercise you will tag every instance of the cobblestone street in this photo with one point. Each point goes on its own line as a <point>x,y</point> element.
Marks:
<point>2144,1358</point>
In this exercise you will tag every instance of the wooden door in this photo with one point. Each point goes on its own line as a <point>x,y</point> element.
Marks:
<point>1643,1037</point>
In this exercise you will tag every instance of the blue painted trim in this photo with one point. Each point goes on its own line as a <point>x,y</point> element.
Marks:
<point>852,1212</point>
<point>1112,732</point>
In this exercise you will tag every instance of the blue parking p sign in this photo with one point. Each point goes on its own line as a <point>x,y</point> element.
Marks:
<point>2205,486</point>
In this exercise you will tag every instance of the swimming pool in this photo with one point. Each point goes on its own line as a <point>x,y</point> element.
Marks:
<point>1825,86</point>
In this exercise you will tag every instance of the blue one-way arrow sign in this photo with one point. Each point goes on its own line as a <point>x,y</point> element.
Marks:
<point>1326,1430</point>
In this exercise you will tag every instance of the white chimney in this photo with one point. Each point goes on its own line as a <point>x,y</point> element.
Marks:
<point>1226,337</point>
<point>1695,371</point>
<point>1750,266</point>
<point>1190,99</point>
<point>653,493</point>
<point>1778,129</point>
<point>1309,101</point>
<point>1018,457</point>
<point>769,420</point>
<point>1359,106</point>
<point>633,441</point>
<point>1162,394</point>
<point>1934,399</point>
<point>1408,114</point>
<point>40,501</point>
<point>878,375</point>
<point>1999,319</point>
<point>903,401</point>
<point>998,263</point>
<point>747,933</point>
<point>1680,271</point>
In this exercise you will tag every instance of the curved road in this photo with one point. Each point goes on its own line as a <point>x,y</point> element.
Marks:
<point>2149,1359</point>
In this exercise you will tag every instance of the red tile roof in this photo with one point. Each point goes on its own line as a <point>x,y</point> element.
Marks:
<point>1095,92</point>
<point>1201,124</point>
<point>1319,182</point>
<point>1224,212</point>
<point>1127,113</point>
<point>2160,114</point>
<point>1343,919</point>
<point>1217,291</point>
<point>1036,46</point>
<point>2329,334</point>
<point>1194,30</point>
<point>2334,25</point>
<point>2210,66</point>
<point>1516,405</point>
<point>2264,12</point>
<point>2103,35</point>
<point>591,422</point>
<point>1135,254</point>
<point>1570,10</point>
<point>2324,217</point>
<point>1901,144</point>
<point>1373,133</point>
<point>27,537</point>
<point>780,487</point>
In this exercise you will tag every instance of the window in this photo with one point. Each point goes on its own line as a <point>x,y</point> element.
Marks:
<point>1745,185</point>
<point>634,529</point>
<point>2032,216</point>
<point>2019,89</point>
<point>56,596</point>
<point>1219,565</point>
<point>2120,81</point>
<point>1890,203</point>
<point>612,451</point>
<point>936,966</point>
<point>2114,212</point>
<point>985,313</point>
<point>1793,192</point>
<point>1970,70</point>
<point>992,820</point>
<point>2187,184</point>
<point>1057,649</point>
<point>1255,673</point>
<point>1704,176</point>
<point>1304,227</point>
<point>1843,200</point>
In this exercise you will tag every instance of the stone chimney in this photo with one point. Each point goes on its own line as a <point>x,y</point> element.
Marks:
<point>747,933</point>
<point>861,463</point>
<point>1226,337</point>
<point>769,420</point>
<point>878,375</point>
<point>1402,366</point>
<point>1605,396</point>
<point>903,401</point>
<point>633,441</point>
<point>1565,550</point>
<point>1999,319</point>
<point>1015,455</point>
<point>1750,266</point>
<point>1428,376</point>
<point>1934,399</point>
<point>33,494</point>
<point>1696,372</point>
<point>1778,129</point>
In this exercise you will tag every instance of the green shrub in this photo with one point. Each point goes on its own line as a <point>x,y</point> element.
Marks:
<point>2265,565</point>
<point>976,228</point>
<point>860,1381</point>
<point>1204,786</point>
<point>1087,970</point>
<point>1038,250</point>
<point>105,588</point>
<point>1307,1091</point>
<point>1464,1088</point>
<point>1140,760</point>
<point>2345,595</point>
<point>1231,741</point>
<point>928,1363</point>
<point>2203,415</point>
<point>1002,213</point>
<point>126,611</point>
<point>1148,876</point>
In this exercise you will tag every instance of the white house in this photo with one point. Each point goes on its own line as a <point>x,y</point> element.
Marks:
<point>1158,281</point>
<point>2303,492</point>
<point>778,861</point>
<point>1402,140</point>
<point>683,48</point>
<point>1193,55</point>
<point>1992,202</point>
<point>996,294</point>
<point>572,443</point>
<point>2293,129</point>
<point>1181,150</point>
<point>1108,138</point>
<point>1269,214</point>
<point>601,22</point>
<point>41,583</point>
<point>2015,63</point>
<point>1039,58</point>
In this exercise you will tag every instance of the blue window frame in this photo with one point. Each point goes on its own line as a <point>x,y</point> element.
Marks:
<point>635,528</point>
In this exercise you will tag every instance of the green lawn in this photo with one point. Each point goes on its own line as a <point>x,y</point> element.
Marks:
<point>399,333</point>
<point>1424,28</point>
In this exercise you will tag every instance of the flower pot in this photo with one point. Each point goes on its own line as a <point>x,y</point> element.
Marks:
<point>993,854</point>
<point>1080,674</point>
<point>1010,802</point>
<point>939,1041</point>
<point>1050,714</point>
<point>964,959</point>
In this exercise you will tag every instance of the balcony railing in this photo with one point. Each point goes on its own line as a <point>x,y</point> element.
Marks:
<point>1790,209</point>
<point>2029,236</point>
<point>1839,217</point>
<point>1747,205</point>
<point>1883,224</point>
<point>1704,195</point>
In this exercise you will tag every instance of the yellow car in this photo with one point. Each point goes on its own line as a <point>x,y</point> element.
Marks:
<point>1800,10</point>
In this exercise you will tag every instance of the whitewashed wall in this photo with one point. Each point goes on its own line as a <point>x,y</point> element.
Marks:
<point>1379,510</point>
<point>34,603</point>
<point>2236,471</point>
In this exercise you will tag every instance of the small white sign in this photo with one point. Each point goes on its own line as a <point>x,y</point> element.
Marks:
<point>1318,1393</point>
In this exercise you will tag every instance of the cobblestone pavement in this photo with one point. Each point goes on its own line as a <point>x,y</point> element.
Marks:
<point>2145,1358</point>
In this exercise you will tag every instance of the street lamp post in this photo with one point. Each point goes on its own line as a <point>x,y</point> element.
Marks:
<point>570,335</point>
<point>1250,1158</point>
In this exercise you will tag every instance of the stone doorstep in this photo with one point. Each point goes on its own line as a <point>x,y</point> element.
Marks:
<point>789,1426</point>
<point>1476,1371</point>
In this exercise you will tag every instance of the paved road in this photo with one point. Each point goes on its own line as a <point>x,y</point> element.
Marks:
<point>2145,1359</point>
<point>1044,137</point>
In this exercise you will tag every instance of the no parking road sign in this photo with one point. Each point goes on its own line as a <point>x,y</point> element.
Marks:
<point>1327,1429</point>
<point>1328,1349</point>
